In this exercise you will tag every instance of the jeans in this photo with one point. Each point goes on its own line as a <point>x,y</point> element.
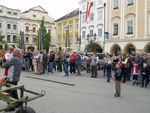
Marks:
<point>72,67</point>
<point>140,77</point>
<point>78,69</point>
<point>144,80</point>
<point>108,75</point>
<point>94,71</point>
<point>66,70</point>
<point>128,72</point>
<point>50,67</point>
<point>118,87</point>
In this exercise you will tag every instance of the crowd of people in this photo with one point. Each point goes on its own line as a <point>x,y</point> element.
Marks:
<point>123,67</point>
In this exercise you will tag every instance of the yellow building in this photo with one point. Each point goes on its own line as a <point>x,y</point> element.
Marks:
<point>67,31</point>
<point>128,25</point>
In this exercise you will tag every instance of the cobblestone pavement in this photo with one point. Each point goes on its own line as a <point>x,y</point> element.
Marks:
<point>88,95</point>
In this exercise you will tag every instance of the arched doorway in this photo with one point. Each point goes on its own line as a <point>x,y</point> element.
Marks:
<point>147,48</point>
<point>30,48</point>
<point>130,49</point>
<point>93,47</point>
<point>115,49</point>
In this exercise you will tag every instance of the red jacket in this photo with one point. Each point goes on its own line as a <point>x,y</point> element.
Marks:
<point>135,70</point>
<point>73,58</point>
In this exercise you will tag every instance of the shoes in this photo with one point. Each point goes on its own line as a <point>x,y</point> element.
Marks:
<point>116,95</point>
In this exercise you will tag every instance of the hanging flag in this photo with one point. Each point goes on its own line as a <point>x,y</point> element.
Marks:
<point>87,8</point>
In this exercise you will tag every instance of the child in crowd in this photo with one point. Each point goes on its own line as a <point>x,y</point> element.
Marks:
<point>145,73</point>
<point>118,77</point>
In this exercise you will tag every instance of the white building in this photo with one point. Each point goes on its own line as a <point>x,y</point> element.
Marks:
<point>9,24</point>
<point>92,25</point>
<point>30,24</point>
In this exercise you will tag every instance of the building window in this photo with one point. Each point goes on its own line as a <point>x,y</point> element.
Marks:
<point>83,34</point>
<point>100,32</point>
<point>115,26</point>
<point>8,26</point>
<point>91,33</point>
<point>100,15</point>
<point>129,27</point>
<point>14,38</point>
<point>34,16</point>
<point>130,2</point>
<point>0,11</point>
<point>14,27</point>
<point>34,40</point>
<point>83,7</point>
<point>8,38</point>
<point>15,13</point>
<point>77,25</point>
<point>27,39</point>
<point>27,28</point>
<point>34,29</point>
<point>83,18</point>
<point>116,4</point>
<point>49,31</point>
<point>92,17</point>
<point>100,2</point>
<point>0,25</point>
<point>70,40</point>
<point>9,12</point>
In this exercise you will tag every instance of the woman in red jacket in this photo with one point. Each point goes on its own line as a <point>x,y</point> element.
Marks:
<point>135,73</point>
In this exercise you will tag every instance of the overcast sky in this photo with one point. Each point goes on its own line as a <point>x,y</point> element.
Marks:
<point>55,8</point>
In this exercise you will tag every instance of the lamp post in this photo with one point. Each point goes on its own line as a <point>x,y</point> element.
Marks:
<point>104,28</point>
<point>80,12</point>
<point>67,36</point>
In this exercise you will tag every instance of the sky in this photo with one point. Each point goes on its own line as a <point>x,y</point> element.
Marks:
<point>55,8</point>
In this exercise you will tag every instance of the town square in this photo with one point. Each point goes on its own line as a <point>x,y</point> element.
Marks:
<point>79,56</point>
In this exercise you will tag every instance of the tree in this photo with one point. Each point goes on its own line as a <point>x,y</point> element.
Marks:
<point>46,36</point>
<point>1,38</point>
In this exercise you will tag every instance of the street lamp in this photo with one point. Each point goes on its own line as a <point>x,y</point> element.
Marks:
<point>104,28</point>
<point>80,12</point>
<point>67,36</point>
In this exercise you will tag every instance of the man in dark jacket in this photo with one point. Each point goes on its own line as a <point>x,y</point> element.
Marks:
<point>145,74</point>
<point>118,77</point>
<point>14,75</point>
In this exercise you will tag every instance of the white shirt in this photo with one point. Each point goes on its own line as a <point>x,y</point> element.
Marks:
<point>8,56</point>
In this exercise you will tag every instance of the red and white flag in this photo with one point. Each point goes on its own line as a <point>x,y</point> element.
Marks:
<point>88,10</point>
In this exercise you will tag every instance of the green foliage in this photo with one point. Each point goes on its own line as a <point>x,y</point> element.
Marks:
<point>13,46</point>
<point>1,37</point>
<point>46,36</point>
<point>6,47</point>
<point>1,46</point>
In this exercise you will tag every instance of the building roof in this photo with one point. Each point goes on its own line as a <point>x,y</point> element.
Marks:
<point>36,8</point>
<point>10,8</point>
<point>69,15</point>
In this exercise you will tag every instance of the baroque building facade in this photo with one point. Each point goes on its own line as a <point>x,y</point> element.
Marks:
<point>128,25</point>
<point>9,24</point>
<point>30,24</point>
<point>67,31</point>
<point>92,24</point>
